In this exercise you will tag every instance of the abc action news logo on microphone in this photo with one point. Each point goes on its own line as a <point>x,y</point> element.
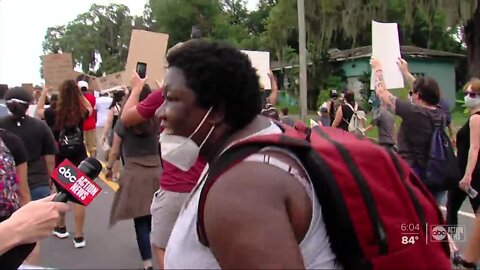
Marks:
<point>76,183</point>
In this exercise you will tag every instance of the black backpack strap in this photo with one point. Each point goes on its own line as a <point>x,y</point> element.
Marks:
<point>224,162</point>
<point>233,156</point>
<point>378,226</point>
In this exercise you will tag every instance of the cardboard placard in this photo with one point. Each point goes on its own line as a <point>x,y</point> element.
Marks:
<point>29,87</point>
<point>150,48</point>
<point>261,62</point>
<point>112,80</point>
<point>57,68</point>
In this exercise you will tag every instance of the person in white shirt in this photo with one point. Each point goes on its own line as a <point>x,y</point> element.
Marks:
<point>103,104</point>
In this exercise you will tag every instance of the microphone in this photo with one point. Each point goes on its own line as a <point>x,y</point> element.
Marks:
<point>76,185</point>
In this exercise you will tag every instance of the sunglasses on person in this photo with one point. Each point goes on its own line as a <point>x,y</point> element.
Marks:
<point>471,94</point>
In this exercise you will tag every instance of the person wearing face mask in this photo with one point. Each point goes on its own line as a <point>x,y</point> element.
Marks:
<point>416,129</point>
<point>468,147</point>
<point>256,214</point>
<point>37,139</point>
<point>177,178</point>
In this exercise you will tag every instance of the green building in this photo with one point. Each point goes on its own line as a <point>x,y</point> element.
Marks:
<point>421,62</point>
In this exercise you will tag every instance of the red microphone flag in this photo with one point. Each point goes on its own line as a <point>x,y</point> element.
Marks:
<point>75,182</point>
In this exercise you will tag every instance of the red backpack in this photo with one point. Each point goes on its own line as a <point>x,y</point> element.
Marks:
<point>375,209</point>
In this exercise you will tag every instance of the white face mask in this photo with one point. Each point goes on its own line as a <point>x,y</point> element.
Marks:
<point>182,152</point>
<point>471,102</point>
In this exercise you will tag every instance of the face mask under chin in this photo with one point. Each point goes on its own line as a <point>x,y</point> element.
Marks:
<point>183,152</point>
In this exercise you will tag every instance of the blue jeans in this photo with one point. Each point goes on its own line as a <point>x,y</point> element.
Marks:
<point>39,192</point>
<point>143,226</point>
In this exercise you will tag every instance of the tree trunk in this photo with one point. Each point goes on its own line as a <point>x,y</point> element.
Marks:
<point>472,39</point>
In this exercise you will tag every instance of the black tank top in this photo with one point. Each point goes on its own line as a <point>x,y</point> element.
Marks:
<point>463,146</point>
<point>347,115</point>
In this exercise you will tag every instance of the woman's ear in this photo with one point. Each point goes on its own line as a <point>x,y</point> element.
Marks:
<point>217,115</point>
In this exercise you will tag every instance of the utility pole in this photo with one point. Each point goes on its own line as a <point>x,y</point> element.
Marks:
<point>303,59</point>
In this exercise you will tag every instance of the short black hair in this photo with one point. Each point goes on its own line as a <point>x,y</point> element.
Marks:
<point>427,89</point>
<point>221,76</point>
<point>284,111</point>
<point>19,93</point>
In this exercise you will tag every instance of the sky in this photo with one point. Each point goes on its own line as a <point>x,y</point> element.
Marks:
<point>23,24</point>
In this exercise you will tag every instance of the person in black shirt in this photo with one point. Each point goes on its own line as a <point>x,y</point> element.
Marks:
<point>38,139</point>
<point>70,112</point>
<point>468,145</point>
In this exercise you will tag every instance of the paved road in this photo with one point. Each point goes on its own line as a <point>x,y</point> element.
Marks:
<point>116,248</point>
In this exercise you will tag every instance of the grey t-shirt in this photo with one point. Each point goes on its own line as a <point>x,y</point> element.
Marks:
<point>415,133</point>
<point>134,145</point>
<point>384,121</point>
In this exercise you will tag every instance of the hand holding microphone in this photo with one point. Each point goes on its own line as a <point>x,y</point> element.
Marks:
<point>37,219</point>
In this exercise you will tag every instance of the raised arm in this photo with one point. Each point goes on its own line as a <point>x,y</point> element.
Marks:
<point>403,65</point>
<point>272,98</point>
<point>40,110</point>
<point>380,88</point>
<point>130,115</point>
<point>86,104</point>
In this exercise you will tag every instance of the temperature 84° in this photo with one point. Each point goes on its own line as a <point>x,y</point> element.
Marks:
<point>409,240</point>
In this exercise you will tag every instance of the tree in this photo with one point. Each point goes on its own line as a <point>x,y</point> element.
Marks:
<point>176,17</point>
<point>97,39</point>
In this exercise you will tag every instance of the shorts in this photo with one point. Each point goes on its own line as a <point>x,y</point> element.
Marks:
<point>40,192</point>
<point>166,206</point>
<point>90,137</point>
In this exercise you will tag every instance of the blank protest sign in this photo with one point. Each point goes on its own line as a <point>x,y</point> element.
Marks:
<point>150,48</point>
<point>386,49</point>
<point>57,68</point>
<point>261,62</point>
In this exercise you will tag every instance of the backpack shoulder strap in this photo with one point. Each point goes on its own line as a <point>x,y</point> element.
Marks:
<point>353,108</point>
<point>290,138</point>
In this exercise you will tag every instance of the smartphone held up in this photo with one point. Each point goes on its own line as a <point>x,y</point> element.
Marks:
<point>141,69</point>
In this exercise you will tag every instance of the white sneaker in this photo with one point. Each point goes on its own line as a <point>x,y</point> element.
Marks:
<point>79,242</point>
<point>60,232</point>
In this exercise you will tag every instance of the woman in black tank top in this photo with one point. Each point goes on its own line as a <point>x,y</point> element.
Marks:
<point>468,164</point>
<point>344,112</point>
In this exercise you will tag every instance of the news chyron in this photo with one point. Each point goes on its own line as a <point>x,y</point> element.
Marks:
<point>412,233</point>
<point>76,183</point>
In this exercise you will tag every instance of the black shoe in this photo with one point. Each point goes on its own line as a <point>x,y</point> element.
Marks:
<point>60,232</point>
<point>79,242</point>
